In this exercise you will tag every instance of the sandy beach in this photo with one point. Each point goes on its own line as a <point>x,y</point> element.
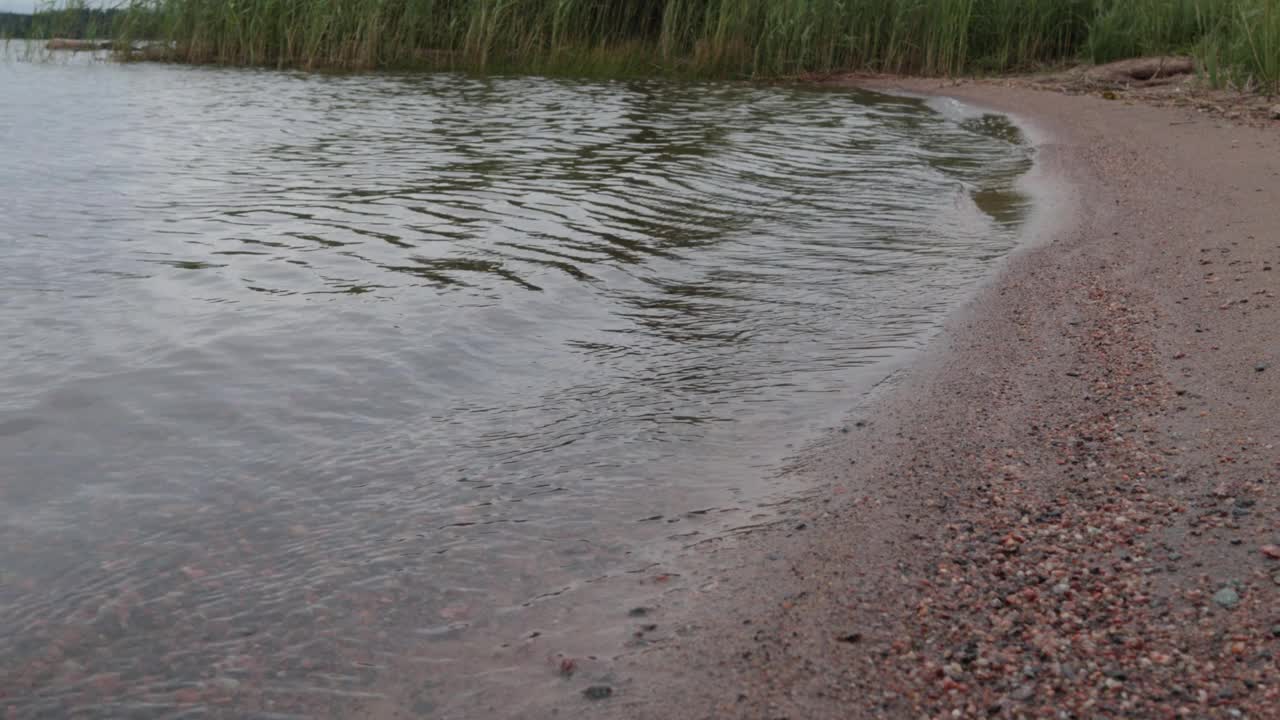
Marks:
<point>1071,506</point>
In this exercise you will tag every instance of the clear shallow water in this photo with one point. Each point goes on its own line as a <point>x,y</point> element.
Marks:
<point>321,388</point>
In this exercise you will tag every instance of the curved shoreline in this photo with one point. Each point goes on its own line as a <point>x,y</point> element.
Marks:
<point>1070,502</point>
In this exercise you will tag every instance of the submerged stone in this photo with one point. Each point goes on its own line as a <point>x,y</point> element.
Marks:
<point>1227,597</point>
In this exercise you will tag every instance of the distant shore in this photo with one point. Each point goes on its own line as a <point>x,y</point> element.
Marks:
<point>1234,41</point>
<point>1071,504</point>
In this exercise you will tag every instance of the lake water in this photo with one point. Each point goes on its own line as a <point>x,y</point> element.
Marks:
<point>348,396</point>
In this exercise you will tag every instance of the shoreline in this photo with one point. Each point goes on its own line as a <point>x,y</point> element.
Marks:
<point>1070,502</point>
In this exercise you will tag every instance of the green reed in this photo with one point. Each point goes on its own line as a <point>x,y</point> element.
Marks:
<point>1256,43</point>
<point>724,38</point>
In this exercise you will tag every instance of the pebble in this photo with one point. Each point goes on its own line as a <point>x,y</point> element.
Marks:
<point>1050,602</point>
<point>1271,551</point>
<point>597,692</point>
<point>1023,693</point>
<point>1227,597</point>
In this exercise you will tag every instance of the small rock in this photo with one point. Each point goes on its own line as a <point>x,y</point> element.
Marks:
<point>1023,692</point>
<point>1275,631</point>
<point>850,638</point>
<point>1271,551</point>
<point>597,692</point>
<point>1260,367</point>
<point>638,612</point>
<point>1227,597</point>
<point>1275,112</point>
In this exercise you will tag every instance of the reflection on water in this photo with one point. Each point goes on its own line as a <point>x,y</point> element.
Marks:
<point>310,382</point>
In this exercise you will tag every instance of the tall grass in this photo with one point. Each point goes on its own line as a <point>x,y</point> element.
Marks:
<point>710,37</point>
<point>1254,47</point>
<point>75,19</point>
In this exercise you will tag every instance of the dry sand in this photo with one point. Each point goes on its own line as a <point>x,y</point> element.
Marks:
<point>1066,509</point>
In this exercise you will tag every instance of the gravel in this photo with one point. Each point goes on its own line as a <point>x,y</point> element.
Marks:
<point>1038,524</point>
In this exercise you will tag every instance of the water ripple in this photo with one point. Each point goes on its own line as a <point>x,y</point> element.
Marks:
<point>313,381</point>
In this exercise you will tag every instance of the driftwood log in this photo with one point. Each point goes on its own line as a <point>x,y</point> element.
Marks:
<point>1143,72</point>
<point>73,44</point>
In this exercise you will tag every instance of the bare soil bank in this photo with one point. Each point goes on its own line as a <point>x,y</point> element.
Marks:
<point>1071,507</point>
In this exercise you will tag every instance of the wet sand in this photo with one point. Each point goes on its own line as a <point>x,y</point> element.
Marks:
<point>1069,508</point>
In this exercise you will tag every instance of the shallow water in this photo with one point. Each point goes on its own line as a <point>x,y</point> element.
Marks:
<point>337,395</point>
